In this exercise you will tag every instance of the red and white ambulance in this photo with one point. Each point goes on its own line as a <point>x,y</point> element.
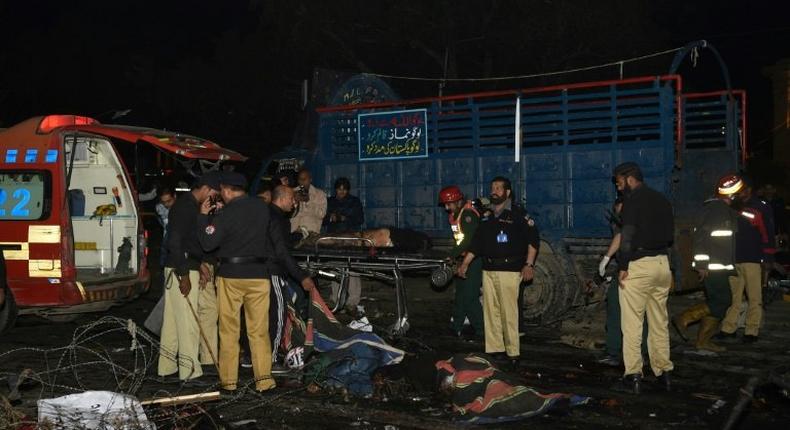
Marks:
<point>70,225</point>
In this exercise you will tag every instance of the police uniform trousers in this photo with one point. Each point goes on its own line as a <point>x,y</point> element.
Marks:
<point>253,294</point>
<point>500,312</point>
<point>208,317</point>
<point>644,293</point>
<point>748,279</point>
<point>614,335</point>
<point>180,337</point>
<point>717,293</point>
<point>467,298</point>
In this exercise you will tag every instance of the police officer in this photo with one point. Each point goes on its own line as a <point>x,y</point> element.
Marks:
<point>180,338</point>
<point>464,220</point>
<point>507,241</point>
<point>245,239</point>
<point>645,276</point>
<point>714,260</point>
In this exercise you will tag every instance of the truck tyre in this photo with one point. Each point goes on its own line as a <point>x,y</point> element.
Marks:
<point>8,312</point>
<point>548,296</point>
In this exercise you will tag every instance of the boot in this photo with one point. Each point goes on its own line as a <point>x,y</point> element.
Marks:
<point>688,317</point>
<point>708,328</point>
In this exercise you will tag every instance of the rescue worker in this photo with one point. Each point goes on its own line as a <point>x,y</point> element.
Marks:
<point>180,337</point>
<point>507,241</point>
<point>311,203</point>
<point>714,260</point>
<point>645,276</point>
<point>245,240</point>
<point>754,246</point>
<point>464,220</point>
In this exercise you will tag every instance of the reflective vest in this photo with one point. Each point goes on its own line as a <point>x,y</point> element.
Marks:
<point>714,237</point>
<point>455,222</point>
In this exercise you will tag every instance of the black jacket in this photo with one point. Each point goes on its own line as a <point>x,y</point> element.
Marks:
<point>648,226</point>
<point>714,237</point>
<point>350,208</point>
<point>244,228</point>
<point>184,252</point>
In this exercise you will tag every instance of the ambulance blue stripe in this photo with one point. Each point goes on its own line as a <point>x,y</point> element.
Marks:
<point>52,156</point>
<point>31,155</point>
<point>10,156</point>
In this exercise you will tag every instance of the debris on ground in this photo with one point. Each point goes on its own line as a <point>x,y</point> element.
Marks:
<point>89,410</point>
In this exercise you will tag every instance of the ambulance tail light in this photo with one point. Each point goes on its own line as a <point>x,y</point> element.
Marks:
<point>68,268</point>
<point>51,122</point>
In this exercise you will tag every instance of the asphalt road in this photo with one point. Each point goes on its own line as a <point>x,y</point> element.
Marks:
<point>75,356</point>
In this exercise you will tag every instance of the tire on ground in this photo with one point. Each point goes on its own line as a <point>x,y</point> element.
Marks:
<point>8,312</point>
<point>548,296</point>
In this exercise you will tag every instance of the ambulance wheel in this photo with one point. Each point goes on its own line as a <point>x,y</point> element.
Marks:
<point>547,297</point>
<point>8,312</point>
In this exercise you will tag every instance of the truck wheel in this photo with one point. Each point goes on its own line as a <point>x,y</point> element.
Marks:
<point>8,312</point>
<point>547,297</point>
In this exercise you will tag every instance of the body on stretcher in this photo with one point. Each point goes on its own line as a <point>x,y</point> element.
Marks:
<point>339,256</point>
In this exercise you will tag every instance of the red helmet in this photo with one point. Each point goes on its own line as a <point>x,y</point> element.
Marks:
<point>450,194</point>
<point>729,185</point>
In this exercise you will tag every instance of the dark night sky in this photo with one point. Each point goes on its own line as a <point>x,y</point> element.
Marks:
<point>231,70</point>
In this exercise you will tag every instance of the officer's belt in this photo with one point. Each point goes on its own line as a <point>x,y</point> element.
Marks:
<point>242,260</point>
<point>504,260</point>
<point>663,250</point>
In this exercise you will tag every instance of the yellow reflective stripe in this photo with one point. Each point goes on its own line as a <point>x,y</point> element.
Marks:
<point>721,233</point>
<point>701,257</point>
<point>43,234</point>
<point>23,253</point>
<point>717,266</point>
<point>43,268</point>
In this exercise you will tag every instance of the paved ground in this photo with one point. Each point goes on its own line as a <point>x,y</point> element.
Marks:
<point>408,399</point>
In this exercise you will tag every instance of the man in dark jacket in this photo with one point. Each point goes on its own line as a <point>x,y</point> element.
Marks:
<point>344,214</point>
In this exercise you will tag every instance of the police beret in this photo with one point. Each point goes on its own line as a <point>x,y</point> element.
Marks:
<point>629,168</point>
<point>210,179</point>
<point>233,179</point>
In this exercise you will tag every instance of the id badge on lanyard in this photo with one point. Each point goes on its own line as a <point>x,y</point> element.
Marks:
<point>501,237</point>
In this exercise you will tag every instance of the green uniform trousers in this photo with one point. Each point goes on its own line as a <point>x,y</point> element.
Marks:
<point>717,293</point>
<point>467,298</point>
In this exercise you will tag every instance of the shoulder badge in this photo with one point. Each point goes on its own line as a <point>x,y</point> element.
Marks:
<point>210,229</point>
<point>467,219</point>
<point>530,222</point>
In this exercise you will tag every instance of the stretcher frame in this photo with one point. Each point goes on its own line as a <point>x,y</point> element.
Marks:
<point>338,264</point>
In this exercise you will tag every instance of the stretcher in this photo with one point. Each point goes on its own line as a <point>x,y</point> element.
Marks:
<point>337,263</point>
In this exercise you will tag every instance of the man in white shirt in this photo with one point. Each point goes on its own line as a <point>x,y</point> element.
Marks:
<point>311,203</point>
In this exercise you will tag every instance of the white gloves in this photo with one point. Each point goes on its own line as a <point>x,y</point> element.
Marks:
<point>602,265</point>
<point>304,232</point>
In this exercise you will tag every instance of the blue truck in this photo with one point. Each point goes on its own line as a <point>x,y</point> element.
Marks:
<point>398,154</point>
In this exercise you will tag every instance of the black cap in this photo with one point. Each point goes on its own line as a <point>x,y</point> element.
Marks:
<point>210,179</point>
<point>629,168</point>
<point>233,179</point>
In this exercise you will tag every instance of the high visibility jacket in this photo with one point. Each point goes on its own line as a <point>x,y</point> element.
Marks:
<point>456,224</point>
<point>714,237</point>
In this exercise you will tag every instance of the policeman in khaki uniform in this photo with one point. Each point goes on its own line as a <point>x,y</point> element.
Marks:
<point>184,272</point>
<point>714,259</point>
<point>507,241</point>
<point>245,240</point>
<point>464,220</point>
<point>645,277</point>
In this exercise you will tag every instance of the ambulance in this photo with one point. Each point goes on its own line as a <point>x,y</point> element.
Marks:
<point>70,224</point>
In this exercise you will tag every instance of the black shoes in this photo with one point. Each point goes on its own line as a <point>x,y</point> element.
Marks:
<point>664,380</point>
<point>514,363</point>
<point>725,336</point>
<point>631,384</point>
<point>749,338</point>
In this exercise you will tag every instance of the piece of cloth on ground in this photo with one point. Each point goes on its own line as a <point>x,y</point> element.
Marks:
<point>323,333</point>
<point>350,368</point>
<point>483,394</point>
